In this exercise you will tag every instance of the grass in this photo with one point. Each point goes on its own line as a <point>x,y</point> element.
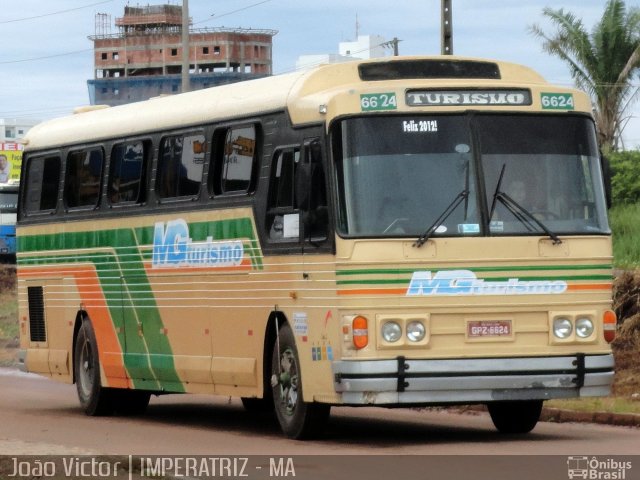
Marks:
<point>9,330</point>
<point>8,315</point>
<point>625,225</point>
<point>598,404</point>
<point>8,303</point>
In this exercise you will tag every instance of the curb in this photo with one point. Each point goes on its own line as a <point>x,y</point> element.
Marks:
<point>559,415</point>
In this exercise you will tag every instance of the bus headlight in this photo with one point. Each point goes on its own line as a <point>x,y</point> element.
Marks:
<point>584,327</point>
<point>415,331</point>
<point>391,332</point>
<point>562,327</point>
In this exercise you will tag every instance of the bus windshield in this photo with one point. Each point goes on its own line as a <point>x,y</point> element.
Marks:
<point>397,175</point>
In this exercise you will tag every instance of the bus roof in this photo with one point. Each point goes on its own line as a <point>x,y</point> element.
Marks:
<point>301,93</point>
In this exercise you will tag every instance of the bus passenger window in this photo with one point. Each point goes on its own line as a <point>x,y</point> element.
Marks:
<point>127,173</point>
<point>180,165</point>
<point>283,218</point>
<point>42,183</point>
<point>236,160</point>
<point>83,178</point>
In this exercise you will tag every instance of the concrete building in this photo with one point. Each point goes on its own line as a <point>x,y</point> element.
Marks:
<point>144,58</point>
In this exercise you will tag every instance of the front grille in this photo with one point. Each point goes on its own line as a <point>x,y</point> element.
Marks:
<point>36,314</point>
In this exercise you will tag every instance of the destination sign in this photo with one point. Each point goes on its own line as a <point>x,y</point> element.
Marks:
<point>427,98</point>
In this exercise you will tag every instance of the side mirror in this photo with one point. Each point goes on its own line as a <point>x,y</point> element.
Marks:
<point>310,194</point>
<point>315,152</point>
<point>303,185</point>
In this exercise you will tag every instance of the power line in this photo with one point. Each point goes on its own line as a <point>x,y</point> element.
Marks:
<point>46,57</point>
<point>215,17</point>
<point>54,13</point>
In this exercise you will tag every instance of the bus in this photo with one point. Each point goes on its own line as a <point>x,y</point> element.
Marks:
<point>8,210</point>
<point>351,235</point>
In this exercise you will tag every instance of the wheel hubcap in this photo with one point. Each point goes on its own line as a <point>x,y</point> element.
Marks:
<point>85,374</point>
<point>288,381</point>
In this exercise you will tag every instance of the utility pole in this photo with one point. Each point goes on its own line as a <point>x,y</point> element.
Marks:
<point>186,84</point>
<point>393,44</point>
<point>446,29</point>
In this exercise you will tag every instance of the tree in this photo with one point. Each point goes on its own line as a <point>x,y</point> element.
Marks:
<point>602,63</point>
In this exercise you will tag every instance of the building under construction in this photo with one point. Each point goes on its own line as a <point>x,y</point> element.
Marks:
<point>144,58</point>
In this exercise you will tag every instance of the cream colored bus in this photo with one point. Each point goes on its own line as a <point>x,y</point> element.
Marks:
<point>398,232</point>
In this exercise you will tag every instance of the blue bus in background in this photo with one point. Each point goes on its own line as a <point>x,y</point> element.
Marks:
<point>8,210</point>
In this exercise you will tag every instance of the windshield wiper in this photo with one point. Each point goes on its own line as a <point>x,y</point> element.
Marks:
<point>422,239</point>
<point>496,191</point>
<point>523,215</point>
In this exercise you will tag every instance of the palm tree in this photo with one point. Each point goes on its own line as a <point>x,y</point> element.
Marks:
<point>602,63</point>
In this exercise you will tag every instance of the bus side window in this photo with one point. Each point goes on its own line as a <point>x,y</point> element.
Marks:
<point>42,184</point>
<point>235,161</point>
<point>83,178</point>
<point>180,163</point>
<point>283,217</point>
<point>127,172</point>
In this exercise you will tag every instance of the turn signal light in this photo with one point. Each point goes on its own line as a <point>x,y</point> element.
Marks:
<point>360,331</point>
<point>609,325</point>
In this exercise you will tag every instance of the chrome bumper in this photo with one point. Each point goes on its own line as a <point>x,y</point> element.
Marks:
<point>471,380</point>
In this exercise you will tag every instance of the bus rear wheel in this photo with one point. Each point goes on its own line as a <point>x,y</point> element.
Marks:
<point>95,399</point>
<point>298,419</point>
<point>519,416</point>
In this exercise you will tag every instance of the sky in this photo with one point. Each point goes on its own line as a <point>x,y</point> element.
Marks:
<point>46,56</point>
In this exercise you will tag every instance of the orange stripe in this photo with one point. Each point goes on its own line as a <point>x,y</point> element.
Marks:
<point>109,349</point>
<point>374,291</point>
<point>589,286</point>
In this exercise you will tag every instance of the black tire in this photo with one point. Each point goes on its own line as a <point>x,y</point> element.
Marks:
<point>95,400</point>
<point>515,416</point>
<point>298,419</point>
<point>130,402</point>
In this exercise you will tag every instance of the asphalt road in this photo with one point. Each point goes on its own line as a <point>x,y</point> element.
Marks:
<point>43,416</point>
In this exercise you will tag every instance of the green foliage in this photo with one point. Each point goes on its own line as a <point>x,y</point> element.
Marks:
<point>625,226</point>
<point>603,60</point>
<point>625,177</point>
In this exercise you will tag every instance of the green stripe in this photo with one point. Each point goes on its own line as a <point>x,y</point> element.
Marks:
<point>116,282</point>
<point>404,281</point>
<point>127,289</point>
<point>403,271</point>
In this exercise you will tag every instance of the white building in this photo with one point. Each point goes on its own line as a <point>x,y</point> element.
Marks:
<point>365,47</point>
<point>12,130</point>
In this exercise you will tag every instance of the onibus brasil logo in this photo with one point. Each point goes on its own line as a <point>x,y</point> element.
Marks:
<point>465,282</point>
<point>173,247</point>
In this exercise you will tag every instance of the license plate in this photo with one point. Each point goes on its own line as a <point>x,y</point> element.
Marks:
<point>489,328</point>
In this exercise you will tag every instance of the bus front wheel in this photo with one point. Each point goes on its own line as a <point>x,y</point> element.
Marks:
<point>298,419</point>
<point>95,400</point>
<point>515,416</point>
